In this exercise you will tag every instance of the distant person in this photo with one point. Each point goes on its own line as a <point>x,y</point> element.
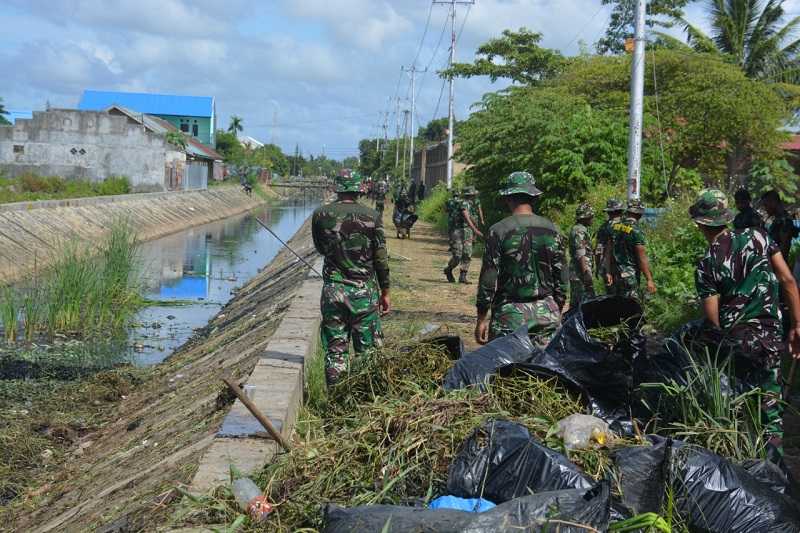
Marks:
<point>738,282</point>
<point>380,191</point>
<point>463,236</point>
<point>421,191</point>
<point>627,260</point>
<point>412,192</point>
<point>614,210</point>
<point>523,278</point>
<point>780,225</point>
<point>747,216</point>
<point>355,275</point>
<point>581,262</point>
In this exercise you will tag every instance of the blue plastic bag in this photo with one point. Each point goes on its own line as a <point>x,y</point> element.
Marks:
<point>471,505</point>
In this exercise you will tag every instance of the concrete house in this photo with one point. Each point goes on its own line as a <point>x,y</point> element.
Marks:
<point>193,115</point>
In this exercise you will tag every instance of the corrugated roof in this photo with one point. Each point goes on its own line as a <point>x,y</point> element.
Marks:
<point>154,104</point>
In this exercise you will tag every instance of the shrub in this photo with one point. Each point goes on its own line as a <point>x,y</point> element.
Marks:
<point>113,185</point>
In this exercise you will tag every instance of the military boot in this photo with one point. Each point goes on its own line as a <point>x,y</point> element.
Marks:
<point>449,273</point>
<point>462,278</point>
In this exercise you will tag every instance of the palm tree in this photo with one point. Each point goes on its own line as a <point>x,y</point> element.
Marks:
<point>236,125</point>
<point>3,111</point>
<point>751,33</point>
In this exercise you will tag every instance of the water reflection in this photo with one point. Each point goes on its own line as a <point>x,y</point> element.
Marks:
<point>198,269</point>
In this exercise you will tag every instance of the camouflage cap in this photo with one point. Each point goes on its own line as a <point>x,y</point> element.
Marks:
<point>469,191</point>
<point>348,182</point>
<point>635,206</point>
<point>612,204</point>
<point>520,183</point>
<point>711,209</point>
<point>584,210</point>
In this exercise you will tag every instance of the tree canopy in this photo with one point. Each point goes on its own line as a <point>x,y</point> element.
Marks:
<point>235,126</point>
<point>3,119</point>
<point>662,13</point>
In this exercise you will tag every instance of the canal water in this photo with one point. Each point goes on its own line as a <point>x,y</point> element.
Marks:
<point>190,275</point>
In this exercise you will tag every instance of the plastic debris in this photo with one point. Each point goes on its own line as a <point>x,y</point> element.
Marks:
<point>580,432</point>
<point>470,505</point>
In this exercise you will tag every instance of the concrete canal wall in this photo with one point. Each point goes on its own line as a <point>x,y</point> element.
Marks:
<point>32,232</point>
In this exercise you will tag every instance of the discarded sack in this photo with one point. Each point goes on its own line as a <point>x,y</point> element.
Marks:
<point>404,219</point>
<point>470,505</point>
<point>566,511</point>
<point>478,367</point>
<point>501,461</point>
<point>710,493</point>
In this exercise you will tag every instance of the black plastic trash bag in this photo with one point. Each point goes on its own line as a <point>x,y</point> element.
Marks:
<point>404,219</point>
<point>501,461</point>
<point>478,367</point>
<point>710,493</point>
<point>564,511</point>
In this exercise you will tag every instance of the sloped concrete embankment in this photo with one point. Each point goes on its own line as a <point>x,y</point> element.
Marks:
<point>126,478</point>
<point>31,233</point>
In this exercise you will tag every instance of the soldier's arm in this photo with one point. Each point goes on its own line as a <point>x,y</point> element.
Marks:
<point>480,212</point>
<point>582,254</point>
<point>316,234</point>
<point>487,287</point>
<point>711,309</point>
<point>560,274</point>
<point>380,256</point>
<point>792,299</point>
<point>470,222</point>
<point>644,267</point>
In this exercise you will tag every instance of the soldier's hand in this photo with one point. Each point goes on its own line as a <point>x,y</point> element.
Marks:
<point>651,287</point>
<point>609,280</point>
<point>482,331</point>
<point>385,303</point>
<point>794,341</point>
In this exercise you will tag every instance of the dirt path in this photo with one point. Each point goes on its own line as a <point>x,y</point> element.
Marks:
<point>420,292</point>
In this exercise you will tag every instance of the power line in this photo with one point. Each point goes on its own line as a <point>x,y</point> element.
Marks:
<point>424,34</point>
<point>583,29</point>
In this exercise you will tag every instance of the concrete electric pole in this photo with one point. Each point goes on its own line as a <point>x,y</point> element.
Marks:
<point>413,72</point>
<point>451,109</point>
<point>637,101</point>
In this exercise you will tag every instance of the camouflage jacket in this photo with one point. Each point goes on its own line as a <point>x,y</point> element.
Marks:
<point>524,261</point>
<point>580,245</point>
<point>625,236</point>
<point>748,218</point>
<point>602,239</point>
<point>737,268</point>
<point>452,206</point>
<point>351,239</point>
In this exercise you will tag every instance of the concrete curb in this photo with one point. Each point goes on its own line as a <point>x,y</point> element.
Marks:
<point>278,381</point>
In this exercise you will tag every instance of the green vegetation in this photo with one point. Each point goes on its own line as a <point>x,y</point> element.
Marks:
<point>235,125</point>
<point>177,139</point>
<point>84,293</point>
<point>3,120</point>
<point>29,187</point>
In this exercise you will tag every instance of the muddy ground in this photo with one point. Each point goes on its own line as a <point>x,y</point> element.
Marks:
<point>123,472</point>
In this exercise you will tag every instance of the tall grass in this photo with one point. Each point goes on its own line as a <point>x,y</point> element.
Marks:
<point>85,292</point>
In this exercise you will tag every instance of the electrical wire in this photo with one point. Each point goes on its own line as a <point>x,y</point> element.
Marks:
<point>658,121</point>
<point>424,34</point>
<point>583,29</point>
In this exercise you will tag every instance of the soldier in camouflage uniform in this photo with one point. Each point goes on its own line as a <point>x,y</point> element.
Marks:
<point>747,216</point>
<point>738,282</point>
<point>351,239</point>
<point>614,210</point>
<point>581,265</point>
<point>781,226</point>
<point>379,192</point>
<point>523,277</point>
<point>462,237</point>
<point>626,259</point>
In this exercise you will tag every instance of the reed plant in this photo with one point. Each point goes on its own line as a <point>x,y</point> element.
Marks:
<point>9,312</point>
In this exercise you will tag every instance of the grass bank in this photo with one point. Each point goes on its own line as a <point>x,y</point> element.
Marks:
<point>30,187</point>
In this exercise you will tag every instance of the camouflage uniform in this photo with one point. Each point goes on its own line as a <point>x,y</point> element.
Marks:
<point>604,235</point>
<point>781,230</point>
<point>462,237</point>
<point>352,241</point>
<point>580,246</point>
<point>626,235</point>
<point>737,268</point>
<point>379,192</point>
<point>748,218</point>
<point>523,276</point>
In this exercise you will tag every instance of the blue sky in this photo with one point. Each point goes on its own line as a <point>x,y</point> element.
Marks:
<point>326,67</point>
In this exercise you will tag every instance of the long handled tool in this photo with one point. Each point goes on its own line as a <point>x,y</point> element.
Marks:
<point>314,270</point>
<point>258,414</point>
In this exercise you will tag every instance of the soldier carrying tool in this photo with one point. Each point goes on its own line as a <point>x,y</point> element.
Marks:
<point>581,265</point>
<point>467,214</point>
<point>626,260</point>
<point>614,210</point>
<point>355,274</point>
<point>523,277</point>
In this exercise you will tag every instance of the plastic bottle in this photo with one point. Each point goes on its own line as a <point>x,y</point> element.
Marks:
<point>250,499</point>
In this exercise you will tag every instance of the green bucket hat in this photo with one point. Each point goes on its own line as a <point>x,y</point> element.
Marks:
<point>635,206</point>
<point>584,210</point>
<point>711,209</point>
<point>520,183</point>
<point>348,181</point>
<point>469,191</point>
<point>612,204</point>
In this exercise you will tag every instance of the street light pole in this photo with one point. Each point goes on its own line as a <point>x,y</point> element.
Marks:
<point>637,103</point>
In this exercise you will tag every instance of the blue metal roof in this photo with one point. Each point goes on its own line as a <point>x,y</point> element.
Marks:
<point>153,104</point>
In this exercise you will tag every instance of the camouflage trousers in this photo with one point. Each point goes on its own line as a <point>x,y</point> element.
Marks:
<point>348,311</point>
<point>625,284</point>
<point>578,292</point>
<point>541,316</point>
<point>461,240</point>
<point>379,207</point>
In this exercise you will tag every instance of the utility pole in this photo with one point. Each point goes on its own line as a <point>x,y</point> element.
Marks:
<point>397,135</point>
<point>405,130</point>
<point>451,105</point>
<point>413,70</point>
<point>637,101</point>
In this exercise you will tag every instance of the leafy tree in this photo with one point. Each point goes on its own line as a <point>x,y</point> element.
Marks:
<point>436,130</point>
<point>235,126</point>
<point>516,56</point>
<point>229,146</point>
<point>177,139</point>
<point>3,111</point>
<point>661,13</point>
<point>754,35</point>
<point>350,162</point>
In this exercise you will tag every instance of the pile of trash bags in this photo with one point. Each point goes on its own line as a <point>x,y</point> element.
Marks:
<point>504,479</point>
